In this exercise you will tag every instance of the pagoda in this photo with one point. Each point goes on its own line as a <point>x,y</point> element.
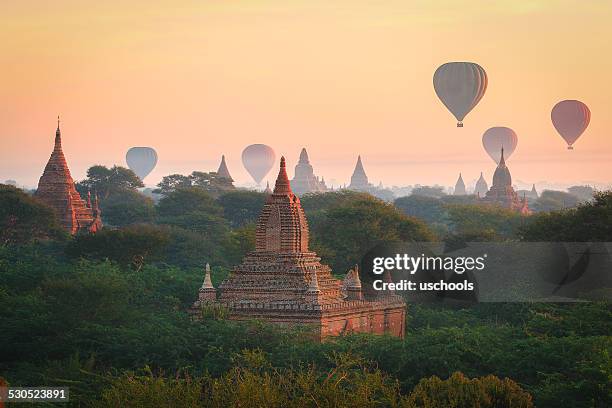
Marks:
<point>304,181</point>
<point>502,193</point>
<point>459,186</point>
<point>56,189</point>
<point>359,179</point>
<point>481,186</point>
<point>283,282</point>
<point>223,171</point>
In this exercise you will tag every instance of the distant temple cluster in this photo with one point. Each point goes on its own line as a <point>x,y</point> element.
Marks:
<point>501,192</point>
<point>283,282</point>
<point>56,189</point>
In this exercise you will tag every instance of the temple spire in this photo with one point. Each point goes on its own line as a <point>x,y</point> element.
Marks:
<point>282,186</point>
<point>223,171</point>
<point>207,284</point>
<point>58,135</point>
<point>304,156</point>
<point>501,160</point>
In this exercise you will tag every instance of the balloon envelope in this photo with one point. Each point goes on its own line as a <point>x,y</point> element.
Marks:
<point>460,86</point>
<point>497,137</point>
<point>258,160</point>
<point>571,119</point>
<point>141,160</point>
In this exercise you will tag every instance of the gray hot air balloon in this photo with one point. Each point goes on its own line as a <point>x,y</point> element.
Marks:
<point>497,137</point>
<point>460,86</point>
<point>258,160</point>
<point>141,160</point>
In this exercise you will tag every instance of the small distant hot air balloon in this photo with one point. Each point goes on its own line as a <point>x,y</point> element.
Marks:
<point>460,86</point>
<point>570,118</point>
<point>258,160</point>
<point>141,160</point>
<point>497,137</point>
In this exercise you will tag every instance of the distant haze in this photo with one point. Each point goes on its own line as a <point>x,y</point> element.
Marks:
<point>341,78</point>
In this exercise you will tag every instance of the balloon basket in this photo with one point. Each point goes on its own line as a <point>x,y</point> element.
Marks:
<point>570,147</point>
<point>459,124</point>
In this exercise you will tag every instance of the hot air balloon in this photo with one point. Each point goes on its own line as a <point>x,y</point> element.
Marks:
<point>570,118</point>
<point>460,86</point>
<point>141,160</point>
<point>497,137</point>
<point>258,159</point>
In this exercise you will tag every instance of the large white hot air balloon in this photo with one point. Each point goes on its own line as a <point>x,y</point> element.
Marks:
<point>258,160</point>
<point>141,160</point>
<point>460,86</point>
<point>570,118</point>
<point>497,137</point>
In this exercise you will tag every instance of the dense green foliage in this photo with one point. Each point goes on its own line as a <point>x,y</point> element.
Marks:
<point>345,226</point>
<point>84,323</point>
<point>211,182</point>
<point>105,182</point>
<point>106,315</point>
<point>589,222</point>
<point>24,219</point>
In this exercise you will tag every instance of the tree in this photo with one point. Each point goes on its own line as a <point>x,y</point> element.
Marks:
<point>483,222</point>
<point>105,181</point>
<point>193,209</point>
<point>459,391</point>
<point>551,200</point>
<point>23,218</point>
<point>241,207</point>
<point>209,182</point>
<point>129,246</point>
<point>426,208</point>
<point>589,222</point>
<point>125,207</point>
<point>345,233</point>
<point>172,183</point>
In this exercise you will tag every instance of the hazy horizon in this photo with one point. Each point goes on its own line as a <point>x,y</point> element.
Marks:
<point>203,79</point>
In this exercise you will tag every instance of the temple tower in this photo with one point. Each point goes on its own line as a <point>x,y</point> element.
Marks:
<point>223,171</point>
<point>502,193</point>
<point>459,186</point>
<point>56,189</point>
<point>481,186</point>
<point>304,180</point>
<point>359,179</point>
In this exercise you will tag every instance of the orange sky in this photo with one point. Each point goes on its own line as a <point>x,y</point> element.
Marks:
<point>339,77</point>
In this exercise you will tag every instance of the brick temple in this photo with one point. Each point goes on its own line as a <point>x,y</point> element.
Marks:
<point>283,282</point>
<point>502,193</point>
<point>56,189</point>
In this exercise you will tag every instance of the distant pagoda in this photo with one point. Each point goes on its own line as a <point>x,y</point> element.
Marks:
<point>359,179</point>
<point>459,186</point>
<point>223,171</point>
<point>304,181</point>
<point>502,193</point>
<point>56,189</point>
<point>481,186</point>
<point>283,282</point>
